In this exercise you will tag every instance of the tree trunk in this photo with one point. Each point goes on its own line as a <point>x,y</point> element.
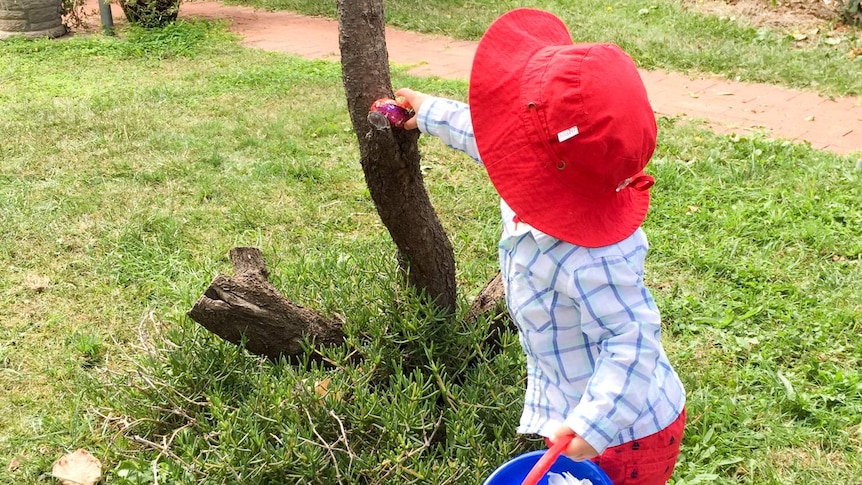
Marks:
<point>491,303</point>
<point>247,309</point>
<point>390,157</point>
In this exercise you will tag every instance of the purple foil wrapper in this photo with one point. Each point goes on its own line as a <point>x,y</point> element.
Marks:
<point>397,113</point>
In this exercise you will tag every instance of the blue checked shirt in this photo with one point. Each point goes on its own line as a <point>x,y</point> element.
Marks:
<point>587,324</point>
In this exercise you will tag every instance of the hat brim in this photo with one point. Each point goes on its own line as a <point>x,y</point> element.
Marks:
<point>539,199</point>
<point>499,62</point>
<point>522,172</point>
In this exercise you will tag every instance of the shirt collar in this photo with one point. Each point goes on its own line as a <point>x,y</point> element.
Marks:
<point>515,227</point>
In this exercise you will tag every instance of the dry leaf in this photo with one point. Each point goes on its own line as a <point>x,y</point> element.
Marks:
<point>13,465</point>
<point>724,93</point>
<point>36,282</point>
<point>320,387</point>
<point>78,468</point>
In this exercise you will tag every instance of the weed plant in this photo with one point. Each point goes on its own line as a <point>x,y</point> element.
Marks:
<point>662,34</point>
<point>130,166</point>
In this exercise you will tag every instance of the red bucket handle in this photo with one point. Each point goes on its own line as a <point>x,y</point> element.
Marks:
<point>544,464</point>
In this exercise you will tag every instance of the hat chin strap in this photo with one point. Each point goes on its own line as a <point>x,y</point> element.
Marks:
<point>641,183</point>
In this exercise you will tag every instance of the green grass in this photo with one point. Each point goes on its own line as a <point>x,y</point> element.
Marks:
<point>662,34</point>
<point>130,166</point>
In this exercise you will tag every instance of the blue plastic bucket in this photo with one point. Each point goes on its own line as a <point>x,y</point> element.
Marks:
<point>515,470</point>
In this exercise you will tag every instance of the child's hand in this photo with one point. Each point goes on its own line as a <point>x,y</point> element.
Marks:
<point>415,98</point>
<point>578,449</point>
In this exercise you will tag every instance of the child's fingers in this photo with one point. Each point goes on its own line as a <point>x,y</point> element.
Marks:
<point>414,99</point>
<point>411,124</point>
<point>580,450</point>
<point>406,92</point>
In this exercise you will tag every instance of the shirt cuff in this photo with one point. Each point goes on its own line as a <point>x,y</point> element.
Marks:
<point>424,115</point>
<point>599,434</point>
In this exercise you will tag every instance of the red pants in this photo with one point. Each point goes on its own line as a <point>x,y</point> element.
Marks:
<point>645,461</point>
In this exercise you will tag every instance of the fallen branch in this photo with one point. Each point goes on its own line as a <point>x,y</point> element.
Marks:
<point>246,309</point>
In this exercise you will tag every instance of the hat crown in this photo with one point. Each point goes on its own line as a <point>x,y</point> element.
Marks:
<point>564,129</point>
<point>589,103</point>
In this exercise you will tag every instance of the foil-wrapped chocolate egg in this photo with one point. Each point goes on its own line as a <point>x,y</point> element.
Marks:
<point>397,111</point>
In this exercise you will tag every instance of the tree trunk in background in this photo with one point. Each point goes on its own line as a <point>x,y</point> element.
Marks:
<point>491,302</point>
<point>390,157</point>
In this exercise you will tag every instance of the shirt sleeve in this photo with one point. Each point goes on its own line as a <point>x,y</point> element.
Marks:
<point>449,121</point>
<point>618,315</point>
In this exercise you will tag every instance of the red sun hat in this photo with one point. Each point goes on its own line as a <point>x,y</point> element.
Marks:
<point>564,130</point>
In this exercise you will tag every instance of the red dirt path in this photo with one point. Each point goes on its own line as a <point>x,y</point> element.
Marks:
<point>727,107</point>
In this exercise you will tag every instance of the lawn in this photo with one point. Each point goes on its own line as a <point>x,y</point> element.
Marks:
<point>130,166</point>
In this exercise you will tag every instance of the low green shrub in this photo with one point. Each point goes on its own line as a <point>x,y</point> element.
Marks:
<point>851,11</point>
<point>151,14</point>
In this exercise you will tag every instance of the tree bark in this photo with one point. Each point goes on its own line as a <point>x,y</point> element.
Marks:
<point>390,157</point>
<point>491,303</point>
<point>246,309</point>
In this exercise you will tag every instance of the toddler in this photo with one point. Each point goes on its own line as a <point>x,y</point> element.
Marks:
<point>565,131</point>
